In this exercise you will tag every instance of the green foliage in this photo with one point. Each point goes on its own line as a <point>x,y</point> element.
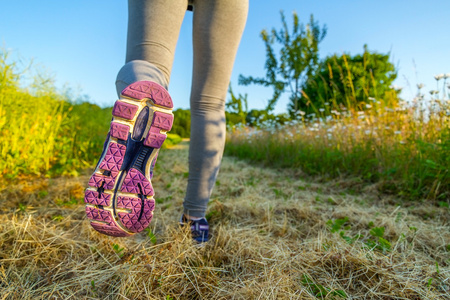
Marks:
<point>319,291</point>
<point>346,81</point>
<point>151,235</point>
<point>336,225</point>
<point>67,203</point>
<point>237,108</point>
<point>172,139</point>
<point>182,123</point>
<point>379,243</point>
<point>79,144</point>
<point>94,288</point>
<point>118,250</point>
<point>44,132</point>
<point>22,207</point>
<point>296,61</point>
<point>389,142</point>
<point>57,218</point>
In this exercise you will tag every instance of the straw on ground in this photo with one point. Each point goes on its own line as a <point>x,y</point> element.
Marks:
<point>274,236</point>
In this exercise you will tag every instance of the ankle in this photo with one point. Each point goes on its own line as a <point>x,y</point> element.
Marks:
<point>192,218</point>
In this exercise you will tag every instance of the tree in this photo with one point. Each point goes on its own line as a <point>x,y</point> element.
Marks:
<point>347,80</point>
<point>296,61</point>
<point>237,108</point>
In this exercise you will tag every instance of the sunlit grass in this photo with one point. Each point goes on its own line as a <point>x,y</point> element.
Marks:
<point>273,236</point>
<point>42,132</point>
<point>46,132</point>
<point>404,147</point>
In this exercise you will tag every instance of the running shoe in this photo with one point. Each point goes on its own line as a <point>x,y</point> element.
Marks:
<point>199,228</point>
<point>120,197</point>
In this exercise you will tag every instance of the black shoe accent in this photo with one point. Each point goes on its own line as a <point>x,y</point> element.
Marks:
<point>140,158</point>
<point>140,124</point>
<point>100,190</point>
<point>142,197</point>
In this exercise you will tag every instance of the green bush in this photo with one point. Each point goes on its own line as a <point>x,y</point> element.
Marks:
<point>182,123</point>
<point>346,81</point>
<point>172,139</point>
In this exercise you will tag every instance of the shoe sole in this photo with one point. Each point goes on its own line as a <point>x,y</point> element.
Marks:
<point>120,197</point>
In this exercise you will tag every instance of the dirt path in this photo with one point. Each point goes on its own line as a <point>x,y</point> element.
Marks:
<point>273,236</point>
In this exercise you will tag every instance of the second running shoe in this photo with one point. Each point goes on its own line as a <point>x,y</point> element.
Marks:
<point>119,199</point>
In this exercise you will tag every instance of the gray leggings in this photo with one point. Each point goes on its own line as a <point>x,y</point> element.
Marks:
<point>153,29</point>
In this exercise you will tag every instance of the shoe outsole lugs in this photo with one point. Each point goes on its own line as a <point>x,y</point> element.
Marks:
<point>120,197</point>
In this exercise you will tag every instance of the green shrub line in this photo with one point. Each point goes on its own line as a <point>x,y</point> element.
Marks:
<point>45,132</point>
<point>411,162</point>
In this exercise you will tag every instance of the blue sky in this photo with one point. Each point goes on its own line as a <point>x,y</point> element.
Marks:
<point>82,43</point>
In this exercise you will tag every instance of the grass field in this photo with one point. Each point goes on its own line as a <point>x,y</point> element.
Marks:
<point>330,223</point>
<point>403,147</point>
<point>274,236</point>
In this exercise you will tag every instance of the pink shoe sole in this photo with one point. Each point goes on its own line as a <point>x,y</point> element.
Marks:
<point>119,199</point>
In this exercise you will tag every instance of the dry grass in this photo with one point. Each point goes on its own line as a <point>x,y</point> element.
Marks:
<point>270,240</point>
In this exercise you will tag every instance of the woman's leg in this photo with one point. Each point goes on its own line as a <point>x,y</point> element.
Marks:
<point>217,30</point>
<point>119,199</point>
<point>153,29</point>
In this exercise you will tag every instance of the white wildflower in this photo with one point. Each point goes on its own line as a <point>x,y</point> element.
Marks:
<point>397,132</point>
<point>368,106</point>
<point>420,86</point>
<point>321,109</point>
<point>396,87</point>
<point>439,77</point>
<point>372,99</point>
<point>335,112</point>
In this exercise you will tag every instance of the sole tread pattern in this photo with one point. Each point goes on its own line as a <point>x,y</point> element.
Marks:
<point>146,89</point>
<point>136,183</point>
<point>98,181</point>
<point>122,168</point>
<point>96,198</point>
<point>124,110</point>
<point>119,131</point>
<point>114,157</point>
<point>141,212</point>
